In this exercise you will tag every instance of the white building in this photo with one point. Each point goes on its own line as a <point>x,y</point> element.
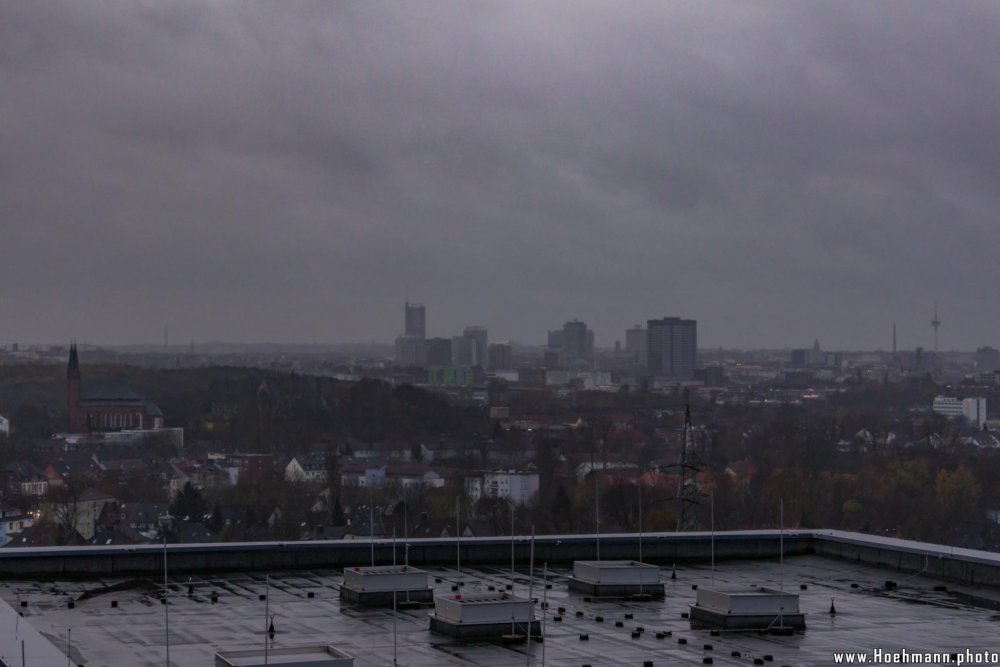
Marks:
<point>972,409</point>
<point>518,486</point>
<point>306,468</point>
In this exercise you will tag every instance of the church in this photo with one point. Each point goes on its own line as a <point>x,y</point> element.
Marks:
<point>106,405</point>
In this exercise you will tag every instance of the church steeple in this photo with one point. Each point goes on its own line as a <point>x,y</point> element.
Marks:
<point>73,367</point>
<point>73,391</point>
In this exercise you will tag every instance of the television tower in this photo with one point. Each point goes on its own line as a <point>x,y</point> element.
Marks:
<point>936,322</point>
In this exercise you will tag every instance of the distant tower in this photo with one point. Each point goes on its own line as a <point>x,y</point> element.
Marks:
<point>935,323</point>
<point>893,340</point>
<point>415,320</point>
<point>73,390</point>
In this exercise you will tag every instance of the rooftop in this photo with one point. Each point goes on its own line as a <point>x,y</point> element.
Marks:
<point>920,614</point>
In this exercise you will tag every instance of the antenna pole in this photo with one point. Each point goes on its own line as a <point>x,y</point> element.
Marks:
<point>166,604</point>
<point>531,603</point>
<point>545,605</point>
<point>267,609</point>
<point>513,630</point>
<point>640,521</point>
<point>394,656</point>
<point>597,514</point>
<point>371,520</point>
<point>712,519</point>
<point>458,545</point>
<point>781,542</point>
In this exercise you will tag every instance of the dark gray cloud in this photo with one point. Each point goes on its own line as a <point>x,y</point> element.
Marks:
<point>286,171</point>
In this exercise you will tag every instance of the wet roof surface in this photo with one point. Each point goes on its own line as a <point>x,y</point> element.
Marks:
<point>914,617</point>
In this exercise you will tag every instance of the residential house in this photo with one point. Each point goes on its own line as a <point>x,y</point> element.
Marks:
<point>116,534</point>
<point>79,466</point>
<point>307,468</point>
<point>79,512</point>
<point>143,518</point>
<point>12,522</point>
<point>362,474</point>
<point>520,487</point>
<point>24,478</point>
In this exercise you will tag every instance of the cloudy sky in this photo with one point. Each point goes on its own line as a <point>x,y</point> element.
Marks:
<point>279,171</point>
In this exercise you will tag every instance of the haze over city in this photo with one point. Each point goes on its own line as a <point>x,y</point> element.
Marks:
<point>290,172</point>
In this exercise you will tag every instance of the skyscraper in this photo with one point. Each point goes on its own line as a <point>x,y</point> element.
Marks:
<point>500,356</point>
<point>416,320</point>
<point>635,344</point>
<point>478,345</point>
<point>672,347</point>
<point>577,342</point>
<point>439,352</point>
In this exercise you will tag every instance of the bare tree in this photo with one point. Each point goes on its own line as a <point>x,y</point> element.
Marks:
<point>64,506</point>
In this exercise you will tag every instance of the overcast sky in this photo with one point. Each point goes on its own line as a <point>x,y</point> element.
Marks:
<point>279,171</point>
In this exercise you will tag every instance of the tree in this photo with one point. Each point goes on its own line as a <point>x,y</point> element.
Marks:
<point>563,517</point>
<point>497,511</point>
<point>337,514</point>
<point>957,495</point>
<point>215,522</point>
<point>189,503</point>
<point>64,507</point>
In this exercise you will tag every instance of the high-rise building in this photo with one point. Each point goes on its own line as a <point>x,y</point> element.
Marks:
<point>577,343</point>
<point>973,409</point>
<point>635,344</point>
<point>438,352</point>
<point>478,346</point>
<point>987,359</point>
<point>411,351</point>
<point>672,347</point>
<point>416,320</point>
<point>500,356</point>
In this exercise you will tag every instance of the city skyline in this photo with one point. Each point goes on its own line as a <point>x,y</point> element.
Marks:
<point>776,171</point>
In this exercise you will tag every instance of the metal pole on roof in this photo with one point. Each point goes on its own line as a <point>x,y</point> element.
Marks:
<point>267,609</point>
<point>512,546</point>
<point>166,606</point>
<point>406,537</point>
<point>371,520</point>
<point>640,521</point>
<point>781,543</point>
<point>597,514</point>
<point>531,590</point>
<point>545,605</point>
<point>712,514</point>
<point>394,650</point>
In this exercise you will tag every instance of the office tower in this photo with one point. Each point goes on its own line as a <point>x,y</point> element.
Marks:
<point>987,359</point>
<point>500,355</point>
<point>672,347</point>
<point>438,352</point>
<point>477,347</point>
<point>416,320</point>
<point>635,344</point>
<point>577,343</point>
<point>411,351</point>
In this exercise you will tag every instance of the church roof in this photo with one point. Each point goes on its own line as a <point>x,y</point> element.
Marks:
<point>108,391</point>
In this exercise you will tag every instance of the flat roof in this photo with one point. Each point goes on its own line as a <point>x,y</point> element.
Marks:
<point>384,569</point>
<point>614,563</point>
<point>914,616</point>
<point>489,598</point>
<point>281,656</point>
